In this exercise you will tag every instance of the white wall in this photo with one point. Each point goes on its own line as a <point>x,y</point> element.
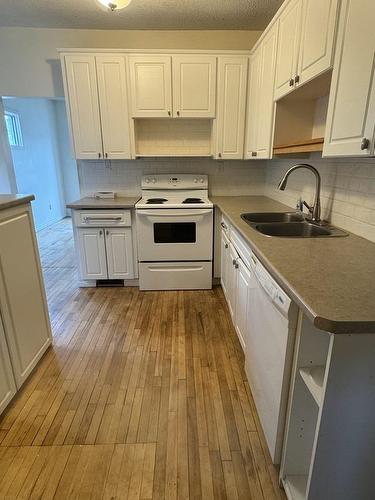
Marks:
<point>7,178</point>
<point>36,164</point>
<point>29,64</point>
<point>226,178</point>
<point>348,190</point>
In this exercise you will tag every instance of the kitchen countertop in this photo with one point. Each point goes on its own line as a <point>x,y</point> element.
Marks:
<point>12,200</point>
<point>331,279</point>
<point>118,202</point>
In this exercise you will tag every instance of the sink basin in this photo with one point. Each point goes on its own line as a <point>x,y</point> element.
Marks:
<point>298,230</point>
<point>258,217</point>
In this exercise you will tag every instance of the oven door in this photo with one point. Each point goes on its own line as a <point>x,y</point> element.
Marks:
<point>174,234</point>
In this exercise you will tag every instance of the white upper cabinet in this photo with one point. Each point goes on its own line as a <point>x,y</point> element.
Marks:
<point>260,104</point>
<point>317,38</point>
<point>113,99</point>
<point>305,42</point>
<point>230,122</point>
<point>288,48</point>
<point>194,86</point>
<point>351,109</point>
<point>82,93</point>
<point>150,86</point>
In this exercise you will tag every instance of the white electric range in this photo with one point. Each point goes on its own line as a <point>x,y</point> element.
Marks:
<point>175,233</point>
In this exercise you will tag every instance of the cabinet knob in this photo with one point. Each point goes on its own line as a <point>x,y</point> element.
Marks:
<point>169,113</point>
<point>226,245</point>
<point>254,153</point>
<point>365,143</point>
<point>234,262</point>
<point>296,79</point>
<point>291,82</point>
<point>107,232</point>
<point>100,232</point>
<point>106,155</point>
<point>178,113</point>
<point>220,155</point>
<point>224,226</point>
<point>99,155</point>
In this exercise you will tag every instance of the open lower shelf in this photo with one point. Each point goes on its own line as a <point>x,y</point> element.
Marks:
<point>313,376</point>
<point>306,146</point>
<point>295,487</point>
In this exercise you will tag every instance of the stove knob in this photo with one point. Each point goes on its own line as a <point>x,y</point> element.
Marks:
<point>147,181</point>
<point>154,181</point>
<point>201,181</point>
<point>195,180</point>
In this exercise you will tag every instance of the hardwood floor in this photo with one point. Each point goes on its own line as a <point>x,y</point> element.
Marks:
<point>143,395</point>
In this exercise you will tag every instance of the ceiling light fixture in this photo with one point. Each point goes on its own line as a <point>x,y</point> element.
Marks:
<point>116,4</point>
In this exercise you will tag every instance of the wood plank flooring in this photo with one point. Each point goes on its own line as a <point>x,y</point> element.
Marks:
<point>143,395</point>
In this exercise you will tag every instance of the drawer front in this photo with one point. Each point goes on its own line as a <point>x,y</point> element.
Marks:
<point>242,247</point>
<point>102,218</point>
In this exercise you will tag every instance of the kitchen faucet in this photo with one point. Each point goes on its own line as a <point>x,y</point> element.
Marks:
<point>315,208</point>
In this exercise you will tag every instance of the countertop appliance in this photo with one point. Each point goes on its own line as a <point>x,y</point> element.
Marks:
<point>269,353</point>
<point>175,232</point>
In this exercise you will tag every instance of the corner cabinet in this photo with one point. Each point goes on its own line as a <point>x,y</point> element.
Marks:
<point>351,110</point>
<point>260,110</point>
<point>96,93</point>
<point>104,244</point>
<point>231,107</point>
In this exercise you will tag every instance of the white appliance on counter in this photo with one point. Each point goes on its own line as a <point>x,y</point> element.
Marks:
<point>175,233</point>
<point>269,353</point>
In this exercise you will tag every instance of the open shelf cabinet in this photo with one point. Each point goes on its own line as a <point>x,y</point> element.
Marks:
<point>313,376</point>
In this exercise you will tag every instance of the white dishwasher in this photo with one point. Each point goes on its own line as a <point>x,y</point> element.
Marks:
<point>269,351</point>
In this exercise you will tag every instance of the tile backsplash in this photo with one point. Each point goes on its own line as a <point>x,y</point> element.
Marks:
<point>348,190</point>
<point>348,185</point>
<point>124,177</point>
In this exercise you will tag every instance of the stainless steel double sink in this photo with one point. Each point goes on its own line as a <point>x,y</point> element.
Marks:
<point>289,225</point>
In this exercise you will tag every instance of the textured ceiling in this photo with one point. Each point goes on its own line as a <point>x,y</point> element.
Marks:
<point>141,14</point>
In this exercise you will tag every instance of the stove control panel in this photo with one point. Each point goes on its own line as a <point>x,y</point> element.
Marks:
<point>168,181</point>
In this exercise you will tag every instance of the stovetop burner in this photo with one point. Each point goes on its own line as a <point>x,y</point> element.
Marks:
<point>193,200</point>
<point>155,201</point>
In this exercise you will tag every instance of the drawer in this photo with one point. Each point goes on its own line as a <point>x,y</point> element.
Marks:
<point>101,218</point>
<point>241,246</point>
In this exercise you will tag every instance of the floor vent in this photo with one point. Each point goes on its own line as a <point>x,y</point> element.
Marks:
<point>109,283</point>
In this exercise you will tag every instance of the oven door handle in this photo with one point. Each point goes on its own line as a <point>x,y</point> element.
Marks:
<point>182,212</point>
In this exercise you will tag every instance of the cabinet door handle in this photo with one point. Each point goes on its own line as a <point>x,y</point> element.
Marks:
<point>100,233</point>
<point>169,113</point>
<point>219,155</point>
<point>296,79</point>
<point>291,82</point>
<point>99,155</point>
<point>107,232</point>
<point>226,245</point>
<point>178,113</point>
<point>254,153</point>
<point>365,143</point>
<point>224,226</point>
<point>106,155</point>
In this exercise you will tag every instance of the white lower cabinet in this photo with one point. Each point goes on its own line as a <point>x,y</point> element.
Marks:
<point>224,262</point>
<point>7,383</point>
<point>242,301</point>
<point>105,251</point>
<point>231,279</point>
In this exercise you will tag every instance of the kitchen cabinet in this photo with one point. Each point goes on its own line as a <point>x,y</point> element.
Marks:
<point>306,41</point>
<point>119,249</point>
<point>104,244</point>
<point>96,91</point>
<point>7,383</point>
<point>194,86</point>
<point>23,304</point>
<point>224,262</point>
<point>288,47</point>
<point>232,279</point>
<point>260,116</point>
<point>150,86</point>
<point>351,109</point>
<point>231,107</point>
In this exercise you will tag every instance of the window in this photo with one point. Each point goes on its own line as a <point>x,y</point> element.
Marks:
<point>12,122</point>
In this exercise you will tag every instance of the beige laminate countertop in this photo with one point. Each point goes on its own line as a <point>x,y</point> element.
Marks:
<point>118,202</point>
<point>331,279</point>
<point>12,200</point>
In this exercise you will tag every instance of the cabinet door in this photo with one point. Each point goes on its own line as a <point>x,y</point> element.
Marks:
<point>232,77</point>
<point>150,86</point>
<point>7,382</point>
<point>92,257</point>
<point>317,39</point>
<point>119,248</point>
<point>232,279</point>
<point>22,297</point>
<point>82,94</point>
<point>113,99</point>
<point>253,116</point>
<point>287,48</point>
<point>242,290</point>
<point>351,107</point>
<point>224,262</point>
<point>194,86</point>
<point>265,122</point>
